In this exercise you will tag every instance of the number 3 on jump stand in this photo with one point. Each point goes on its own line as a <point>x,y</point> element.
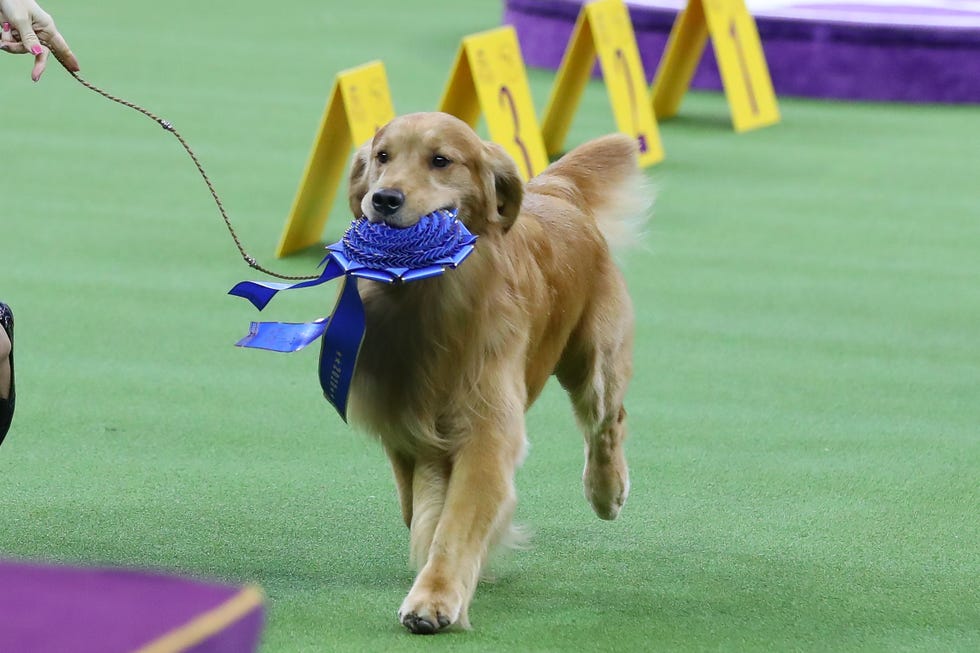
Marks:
<point>634,110</point>
<point>506,97</point>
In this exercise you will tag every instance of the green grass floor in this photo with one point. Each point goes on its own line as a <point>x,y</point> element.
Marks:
<point>805,414</point>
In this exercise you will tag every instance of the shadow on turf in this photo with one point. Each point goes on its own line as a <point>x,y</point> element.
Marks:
<point>700,120</point>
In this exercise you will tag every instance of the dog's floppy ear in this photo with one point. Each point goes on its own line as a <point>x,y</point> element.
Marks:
<point>358,186</point>
<point>507,181</point>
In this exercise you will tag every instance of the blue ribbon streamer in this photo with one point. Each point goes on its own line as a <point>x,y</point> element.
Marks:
<point>369,251</point>
<point>341,344</point>
<point>282,336</point>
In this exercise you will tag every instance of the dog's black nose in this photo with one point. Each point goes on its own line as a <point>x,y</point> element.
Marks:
<point>387,200</point>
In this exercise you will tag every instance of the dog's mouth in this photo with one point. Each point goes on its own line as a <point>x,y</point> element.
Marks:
<point>397,221</point>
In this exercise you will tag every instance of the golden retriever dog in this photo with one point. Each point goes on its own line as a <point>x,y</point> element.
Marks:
<point>449,365</point>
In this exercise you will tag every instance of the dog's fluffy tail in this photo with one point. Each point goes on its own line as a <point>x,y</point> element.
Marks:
<point>603,175</point>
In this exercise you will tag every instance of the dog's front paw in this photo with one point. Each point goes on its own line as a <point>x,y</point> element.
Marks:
<point>428,609</point>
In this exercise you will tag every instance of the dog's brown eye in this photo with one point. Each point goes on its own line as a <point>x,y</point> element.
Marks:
<point>440,161</point>
<point>382,157</point>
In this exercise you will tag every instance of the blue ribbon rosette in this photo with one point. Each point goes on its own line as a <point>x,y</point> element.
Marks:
<point>375,251</point>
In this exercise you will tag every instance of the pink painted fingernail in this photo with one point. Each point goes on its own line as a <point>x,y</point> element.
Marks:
<point>35,50</point>
<point>6,27</point>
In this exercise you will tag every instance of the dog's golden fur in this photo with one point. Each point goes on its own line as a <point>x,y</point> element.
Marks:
<point>449,365</point>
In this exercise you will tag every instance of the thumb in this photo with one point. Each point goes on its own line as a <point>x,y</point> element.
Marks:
<point>27,36</point>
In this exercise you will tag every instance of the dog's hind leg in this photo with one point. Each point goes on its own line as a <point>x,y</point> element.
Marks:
<point>595,370</point>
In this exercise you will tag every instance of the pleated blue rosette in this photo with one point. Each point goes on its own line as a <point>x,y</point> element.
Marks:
<point>375,251</point>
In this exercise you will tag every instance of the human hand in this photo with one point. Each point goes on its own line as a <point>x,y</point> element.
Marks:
<point>25,26</point>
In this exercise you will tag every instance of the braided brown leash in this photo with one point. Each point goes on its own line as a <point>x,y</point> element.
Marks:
<point>168,126</point>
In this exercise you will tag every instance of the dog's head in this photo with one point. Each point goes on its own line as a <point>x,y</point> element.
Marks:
<point>423,162</point>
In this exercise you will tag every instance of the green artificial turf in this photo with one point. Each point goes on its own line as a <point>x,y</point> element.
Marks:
<point>805,413</point>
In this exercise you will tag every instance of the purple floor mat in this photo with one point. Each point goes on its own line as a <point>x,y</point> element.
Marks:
<point>925,51</point>
<point>57,609</point>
